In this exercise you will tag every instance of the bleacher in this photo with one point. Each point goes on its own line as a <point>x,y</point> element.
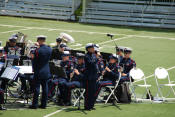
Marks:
<point>50,9</point>
<point>131,13</point>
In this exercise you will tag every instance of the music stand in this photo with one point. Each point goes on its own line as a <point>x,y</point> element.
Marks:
<point>57,70</point>
<point>56,54</point>
<point>10,73</point>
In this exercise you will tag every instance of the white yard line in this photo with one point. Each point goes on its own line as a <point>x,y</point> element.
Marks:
<point>15,30</point>
<point>104,42</point>
<point>53,113</point>
<point>88,32</point>
<point>150,76</point>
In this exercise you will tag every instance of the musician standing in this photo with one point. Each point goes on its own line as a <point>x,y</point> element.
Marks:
<point>40,64</point>
<point>91,76</point>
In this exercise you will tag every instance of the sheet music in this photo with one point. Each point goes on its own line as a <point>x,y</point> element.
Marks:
<point>25,69</point>
<point>10,73</point>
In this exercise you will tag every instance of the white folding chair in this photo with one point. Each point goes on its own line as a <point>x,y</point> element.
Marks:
<point>162,74</point>
<point>113,90</point>
<point>76,97</point>
<point>137,74</point>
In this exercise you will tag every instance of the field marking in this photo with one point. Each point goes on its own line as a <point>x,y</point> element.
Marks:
<point>150,76</point>
<point>104,42</point>
<point>53,113</point>
<point>15,30</point>
<point>88,32</point>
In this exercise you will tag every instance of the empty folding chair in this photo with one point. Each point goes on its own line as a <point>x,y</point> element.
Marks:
<point>138,75</point>
<point>112,90</point>
<point>162,74</point>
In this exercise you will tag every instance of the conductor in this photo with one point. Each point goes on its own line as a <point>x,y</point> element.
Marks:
<point>40,63</point>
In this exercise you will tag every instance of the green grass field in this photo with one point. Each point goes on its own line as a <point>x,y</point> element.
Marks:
<point>152,48</point>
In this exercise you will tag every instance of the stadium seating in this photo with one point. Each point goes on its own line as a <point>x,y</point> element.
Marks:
<point>50,9</point>
<point>130,12</point>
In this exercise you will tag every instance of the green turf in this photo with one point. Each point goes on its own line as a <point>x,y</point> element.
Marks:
<point>148,53</point>
<point>121,110</point>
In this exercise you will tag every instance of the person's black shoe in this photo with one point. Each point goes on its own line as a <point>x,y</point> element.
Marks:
<point>42,107</point>
<point>93,108</point>
<point>87,109</point>
<point>68,104</point>
<point>32,107</point>
<point>2,108</point>
<point>60,104</point>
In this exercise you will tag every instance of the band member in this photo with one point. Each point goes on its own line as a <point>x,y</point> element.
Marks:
<point>127,63</point>
<point>119,52</point>
<point>91,76</point>
<point>100,62</point>
<point>2,56</point>
<point>2,59</point>
<point>62,48</point>
<point>13,51</point>
<point>110,75</point>
<point>68,66</point>
<point>58,41</point>
<point>40,64</point>
<point>78,77</point>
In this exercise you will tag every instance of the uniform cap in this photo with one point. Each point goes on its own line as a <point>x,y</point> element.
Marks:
<point>89,45</point>
<point>127,50</point>
<point>41,37</point>
<point>65,53</point>
<point>113,56</point>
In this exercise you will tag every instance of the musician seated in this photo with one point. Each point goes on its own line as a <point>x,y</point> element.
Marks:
<point>2,59</point>
<point>77,79</point>
<point>119,52</point>
<point>13,51</point>
<point>110,75</point>
<point>127,63</point>
<point>62,81</point>
<point>62,47</point>
<point>100,62</point>
<point>58,41</point>
<point>2,55</point>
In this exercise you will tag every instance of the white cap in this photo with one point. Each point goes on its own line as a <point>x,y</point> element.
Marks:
<point>41,37</point>
<point>89,45</point>
<point>66,53</point>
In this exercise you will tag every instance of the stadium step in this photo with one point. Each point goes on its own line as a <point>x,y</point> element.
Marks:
<point>52,9</point>
<point>130,12</point>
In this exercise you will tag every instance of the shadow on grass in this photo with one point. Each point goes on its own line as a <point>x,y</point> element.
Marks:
<point>112,105</point>
<point>75,110</point>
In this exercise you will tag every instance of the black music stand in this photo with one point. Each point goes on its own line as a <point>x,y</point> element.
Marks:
<point>10,73</point>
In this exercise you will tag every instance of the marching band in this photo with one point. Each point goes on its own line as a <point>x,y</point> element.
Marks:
<point>61,69</point>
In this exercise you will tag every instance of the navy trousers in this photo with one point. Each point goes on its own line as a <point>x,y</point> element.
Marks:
<point>44,84</point>
<point>90,86</point>
<point>1,96</point>
<point>72,85</point>
<point>101,84</point>
<point>62,84</point>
